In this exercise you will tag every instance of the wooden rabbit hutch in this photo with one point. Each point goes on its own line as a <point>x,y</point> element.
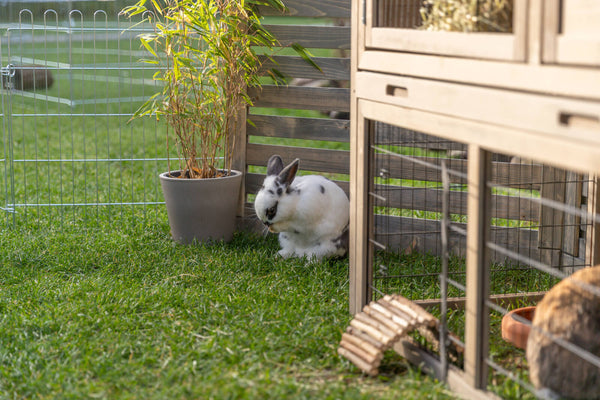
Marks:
<point>474,134</point>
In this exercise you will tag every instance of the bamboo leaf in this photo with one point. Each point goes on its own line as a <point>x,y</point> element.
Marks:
<point>148,47</point>
<point>306,56</point>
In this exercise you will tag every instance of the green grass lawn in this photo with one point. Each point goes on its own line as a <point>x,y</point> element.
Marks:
<point>129,314</point>
<point>96,301</point>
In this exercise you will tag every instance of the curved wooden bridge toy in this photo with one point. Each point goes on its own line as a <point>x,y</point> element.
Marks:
<point>379,326</point>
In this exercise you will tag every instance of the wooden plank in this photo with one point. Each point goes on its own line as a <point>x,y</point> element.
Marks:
<point>509,299</point>
<point>312,8</point>
<point>332,130</point>
<point>304,98</point>
<point>295,67</point>
<point>533,30</point>
<point>428,199</point>
<point>318,160</point>
<point>555,80</point>
<point>312,36</point>
<point>521,17</point>
<point>415,234</point>
<point>578,50</point>
<point>399,136</point>
<point>573,189</point>
<point>552,220</point>
<point>580,17</point>
<point>549,115</point>
<point>550,29</point>
<point>559,151</point>
<point>254,183</point>
<point>477,264</point>
<point>497,46</point>
<point>360,258</point>
<point>592,232</point>
<point>525,176</point>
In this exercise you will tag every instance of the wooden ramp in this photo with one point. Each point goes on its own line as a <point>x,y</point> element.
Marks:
<point>379,326</point>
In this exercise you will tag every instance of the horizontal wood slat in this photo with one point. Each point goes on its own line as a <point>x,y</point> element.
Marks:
<point>429,199</point>
<point>422,235</point>
<point>312,8</point>
<point>398,136</point>
<point>303,98</point>
<point>296,67</point>
<point>525,176</point>
<point>318,160</point>
<point>334,130</point>
<point>254,183</point>
<point>312,36</point>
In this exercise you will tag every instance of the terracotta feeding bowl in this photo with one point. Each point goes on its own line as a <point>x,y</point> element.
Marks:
<point>517,332</point>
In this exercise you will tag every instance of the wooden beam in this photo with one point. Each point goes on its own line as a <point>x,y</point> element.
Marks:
<point>296,67</point>
<point>552,220</point>
<point>312,8</point>
<point>312,36</point>
<point>478,265</point>
<point>592,239</point>
<point>332,130</point>
<point>458,303</point>
<point>360,224</point>
<point>318,160</point>
<point>303,98</point>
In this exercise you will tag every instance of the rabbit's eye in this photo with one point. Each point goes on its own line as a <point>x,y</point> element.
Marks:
<point>272,211</point>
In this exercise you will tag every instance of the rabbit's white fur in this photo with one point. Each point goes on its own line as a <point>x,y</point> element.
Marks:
<point>310,213</point>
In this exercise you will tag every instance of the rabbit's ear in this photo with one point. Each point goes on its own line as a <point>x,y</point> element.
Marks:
<point>274,165</point>
<point>287,175</point>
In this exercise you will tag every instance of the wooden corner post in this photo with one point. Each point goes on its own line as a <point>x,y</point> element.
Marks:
<point>359,184</point>
<point>478,233</point>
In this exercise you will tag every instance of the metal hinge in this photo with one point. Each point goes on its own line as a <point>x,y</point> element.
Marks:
<point>7,74</point>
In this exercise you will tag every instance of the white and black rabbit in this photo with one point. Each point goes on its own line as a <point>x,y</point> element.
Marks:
<point>310,213</point>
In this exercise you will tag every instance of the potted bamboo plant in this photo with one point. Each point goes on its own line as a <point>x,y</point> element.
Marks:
<point>205,56</point>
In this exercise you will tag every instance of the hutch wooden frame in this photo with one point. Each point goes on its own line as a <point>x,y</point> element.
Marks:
<point>538,87</point>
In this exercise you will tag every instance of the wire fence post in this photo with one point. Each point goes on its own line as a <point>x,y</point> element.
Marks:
<point>444,275</point>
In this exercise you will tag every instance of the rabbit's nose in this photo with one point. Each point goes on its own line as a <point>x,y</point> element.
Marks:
<point>267,223</point>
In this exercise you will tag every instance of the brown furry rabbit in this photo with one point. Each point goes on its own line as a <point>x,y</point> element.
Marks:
<point>572,313</point>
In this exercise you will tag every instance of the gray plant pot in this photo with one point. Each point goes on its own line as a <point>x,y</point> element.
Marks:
<point>201,209</point>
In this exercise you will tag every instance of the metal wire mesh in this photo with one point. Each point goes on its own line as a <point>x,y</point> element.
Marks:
<point>69,89</point>
<point>538,219</point>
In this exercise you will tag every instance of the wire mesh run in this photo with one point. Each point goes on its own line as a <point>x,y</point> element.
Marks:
<point>540,229</point>
<point>70,86</point>
<point>445,15</point>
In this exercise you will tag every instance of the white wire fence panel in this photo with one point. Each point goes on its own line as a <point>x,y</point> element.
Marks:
<point>72,153</point>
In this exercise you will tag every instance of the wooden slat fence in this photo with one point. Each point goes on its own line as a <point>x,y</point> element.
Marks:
<point>332,32</point>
